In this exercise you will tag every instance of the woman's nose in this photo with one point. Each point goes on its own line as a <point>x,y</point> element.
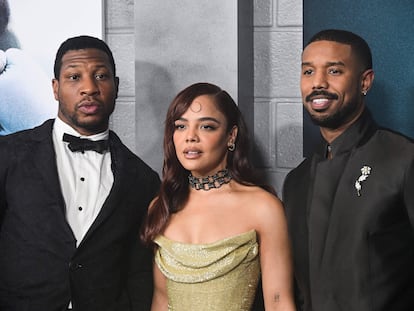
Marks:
<point>192,135</point>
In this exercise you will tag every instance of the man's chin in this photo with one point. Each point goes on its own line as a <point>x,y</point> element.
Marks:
<point>93,126</point>
<point>326,122</point>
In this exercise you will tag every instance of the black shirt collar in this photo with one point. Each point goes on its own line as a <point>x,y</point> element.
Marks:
<point>356,134</point>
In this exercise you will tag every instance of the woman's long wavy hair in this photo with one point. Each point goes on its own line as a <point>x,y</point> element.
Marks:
<point>174,190</point>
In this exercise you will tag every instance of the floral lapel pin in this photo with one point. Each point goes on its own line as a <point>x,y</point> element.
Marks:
<point>365,171</point>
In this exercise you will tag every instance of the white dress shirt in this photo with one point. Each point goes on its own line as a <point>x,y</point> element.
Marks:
<point>85,179</point>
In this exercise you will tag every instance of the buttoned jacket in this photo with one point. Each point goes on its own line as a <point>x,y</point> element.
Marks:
<point>351,222</point>
<point>40,266</point>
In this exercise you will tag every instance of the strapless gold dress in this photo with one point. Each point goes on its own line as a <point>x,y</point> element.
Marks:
<point>219,276</point>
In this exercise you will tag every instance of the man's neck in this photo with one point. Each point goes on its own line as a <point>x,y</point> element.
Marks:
<point>331,134</point>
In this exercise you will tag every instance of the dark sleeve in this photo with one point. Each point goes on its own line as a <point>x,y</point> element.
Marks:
<point>409,191</point>
<point>288,187</point>
<point>299,301</point>
<point>140,277</point>
<point>140,281</point>
<point>3,168</point>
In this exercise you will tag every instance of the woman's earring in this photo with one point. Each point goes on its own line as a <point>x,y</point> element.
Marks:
<point>231,146</point>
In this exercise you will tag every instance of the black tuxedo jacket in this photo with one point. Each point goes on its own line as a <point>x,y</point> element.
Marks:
<point>354,252</point>
<point>40,266</point>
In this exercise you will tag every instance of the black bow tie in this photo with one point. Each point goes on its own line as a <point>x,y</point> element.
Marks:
<point>82,144</point>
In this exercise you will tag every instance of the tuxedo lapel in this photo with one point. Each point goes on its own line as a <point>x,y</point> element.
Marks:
<point>329,175</point>
<point>345,209</point>
<point>341,178</point>
<point>44,158</point>
<point>42,155</point>
<point>121,169</point>
<point>297,202</point>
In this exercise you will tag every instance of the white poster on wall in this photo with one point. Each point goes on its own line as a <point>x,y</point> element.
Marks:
<point>30,34</point>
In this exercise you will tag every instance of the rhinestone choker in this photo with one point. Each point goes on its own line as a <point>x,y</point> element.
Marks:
<point>210,182</point>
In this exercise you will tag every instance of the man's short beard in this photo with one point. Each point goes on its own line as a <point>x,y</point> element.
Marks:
<point>337,119</point>
<point>98,125</point>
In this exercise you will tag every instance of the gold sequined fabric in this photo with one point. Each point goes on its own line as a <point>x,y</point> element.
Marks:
<point>219,276</point>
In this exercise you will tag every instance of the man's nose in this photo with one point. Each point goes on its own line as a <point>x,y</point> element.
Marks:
<point>89,86</point>
<point>319,81</point>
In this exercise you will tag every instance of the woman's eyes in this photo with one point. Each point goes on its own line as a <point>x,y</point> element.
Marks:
<point>179,126</point>
<point>207,127</point>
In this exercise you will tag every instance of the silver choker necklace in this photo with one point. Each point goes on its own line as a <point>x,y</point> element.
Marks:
<point>210,182</point>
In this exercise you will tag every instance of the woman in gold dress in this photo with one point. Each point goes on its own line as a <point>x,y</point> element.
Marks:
<point>215,227</point>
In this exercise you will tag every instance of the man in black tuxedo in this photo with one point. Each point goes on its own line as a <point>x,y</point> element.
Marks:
<point>72,199</point>
<point>350,207</point>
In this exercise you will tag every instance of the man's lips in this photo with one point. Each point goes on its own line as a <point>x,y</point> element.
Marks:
<point>89,107</point>
<point>320,100</point>
<point>320,103</point>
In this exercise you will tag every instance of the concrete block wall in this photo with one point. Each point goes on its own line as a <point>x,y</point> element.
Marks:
<point>119,33</point>
<point>178,43</point>
<point>278,107</point>
<point>277,103</point>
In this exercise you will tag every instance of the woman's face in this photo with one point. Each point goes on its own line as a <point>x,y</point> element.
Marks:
<point>201,138</point>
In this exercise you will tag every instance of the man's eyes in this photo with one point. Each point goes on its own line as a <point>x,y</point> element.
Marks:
<point>101,76</point>
<point>98,76</point>
<point>307,72</point>
<point>335,71</point>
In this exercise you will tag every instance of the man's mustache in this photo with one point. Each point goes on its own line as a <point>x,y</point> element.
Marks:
<point>323,93</point>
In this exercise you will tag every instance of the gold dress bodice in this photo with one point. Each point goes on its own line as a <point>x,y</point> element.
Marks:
<point>219,276</point>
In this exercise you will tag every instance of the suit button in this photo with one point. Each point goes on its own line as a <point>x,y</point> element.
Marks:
<point>74,266</point>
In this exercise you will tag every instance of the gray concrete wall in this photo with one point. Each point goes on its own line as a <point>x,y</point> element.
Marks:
<point>277,102</point>
<point>158,53</point>
<point>178,43</point>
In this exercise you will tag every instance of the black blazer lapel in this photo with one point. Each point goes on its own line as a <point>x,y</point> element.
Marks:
<point>35,163</point>
<point>122,166</point>
<point>44,158</point>
<point>297,198</point>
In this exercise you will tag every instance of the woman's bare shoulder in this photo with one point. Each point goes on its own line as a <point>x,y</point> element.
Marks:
<point>259,200</point>
<point>257,193</point>
<point>266,213</point>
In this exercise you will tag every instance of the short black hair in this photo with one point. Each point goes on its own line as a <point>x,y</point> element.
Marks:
<point>80,43</point>
<point>357,43</point>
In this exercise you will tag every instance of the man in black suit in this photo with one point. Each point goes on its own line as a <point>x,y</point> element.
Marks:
<point>350,207</point>
<point>72,199</point>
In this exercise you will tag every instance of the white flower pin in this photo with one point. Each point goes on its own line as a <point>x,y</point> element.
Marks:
<point>365,171</point>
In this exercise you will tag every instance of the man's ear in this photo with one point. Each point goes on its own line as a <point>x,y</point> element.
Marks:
<point>116,87</point>
<point>367,80</point>
<point>55,86</point>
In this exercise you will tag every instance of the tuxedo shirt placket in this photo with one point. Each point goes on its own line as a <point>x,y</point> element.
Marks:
<point>86,179</point>
<point>89,192</point>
